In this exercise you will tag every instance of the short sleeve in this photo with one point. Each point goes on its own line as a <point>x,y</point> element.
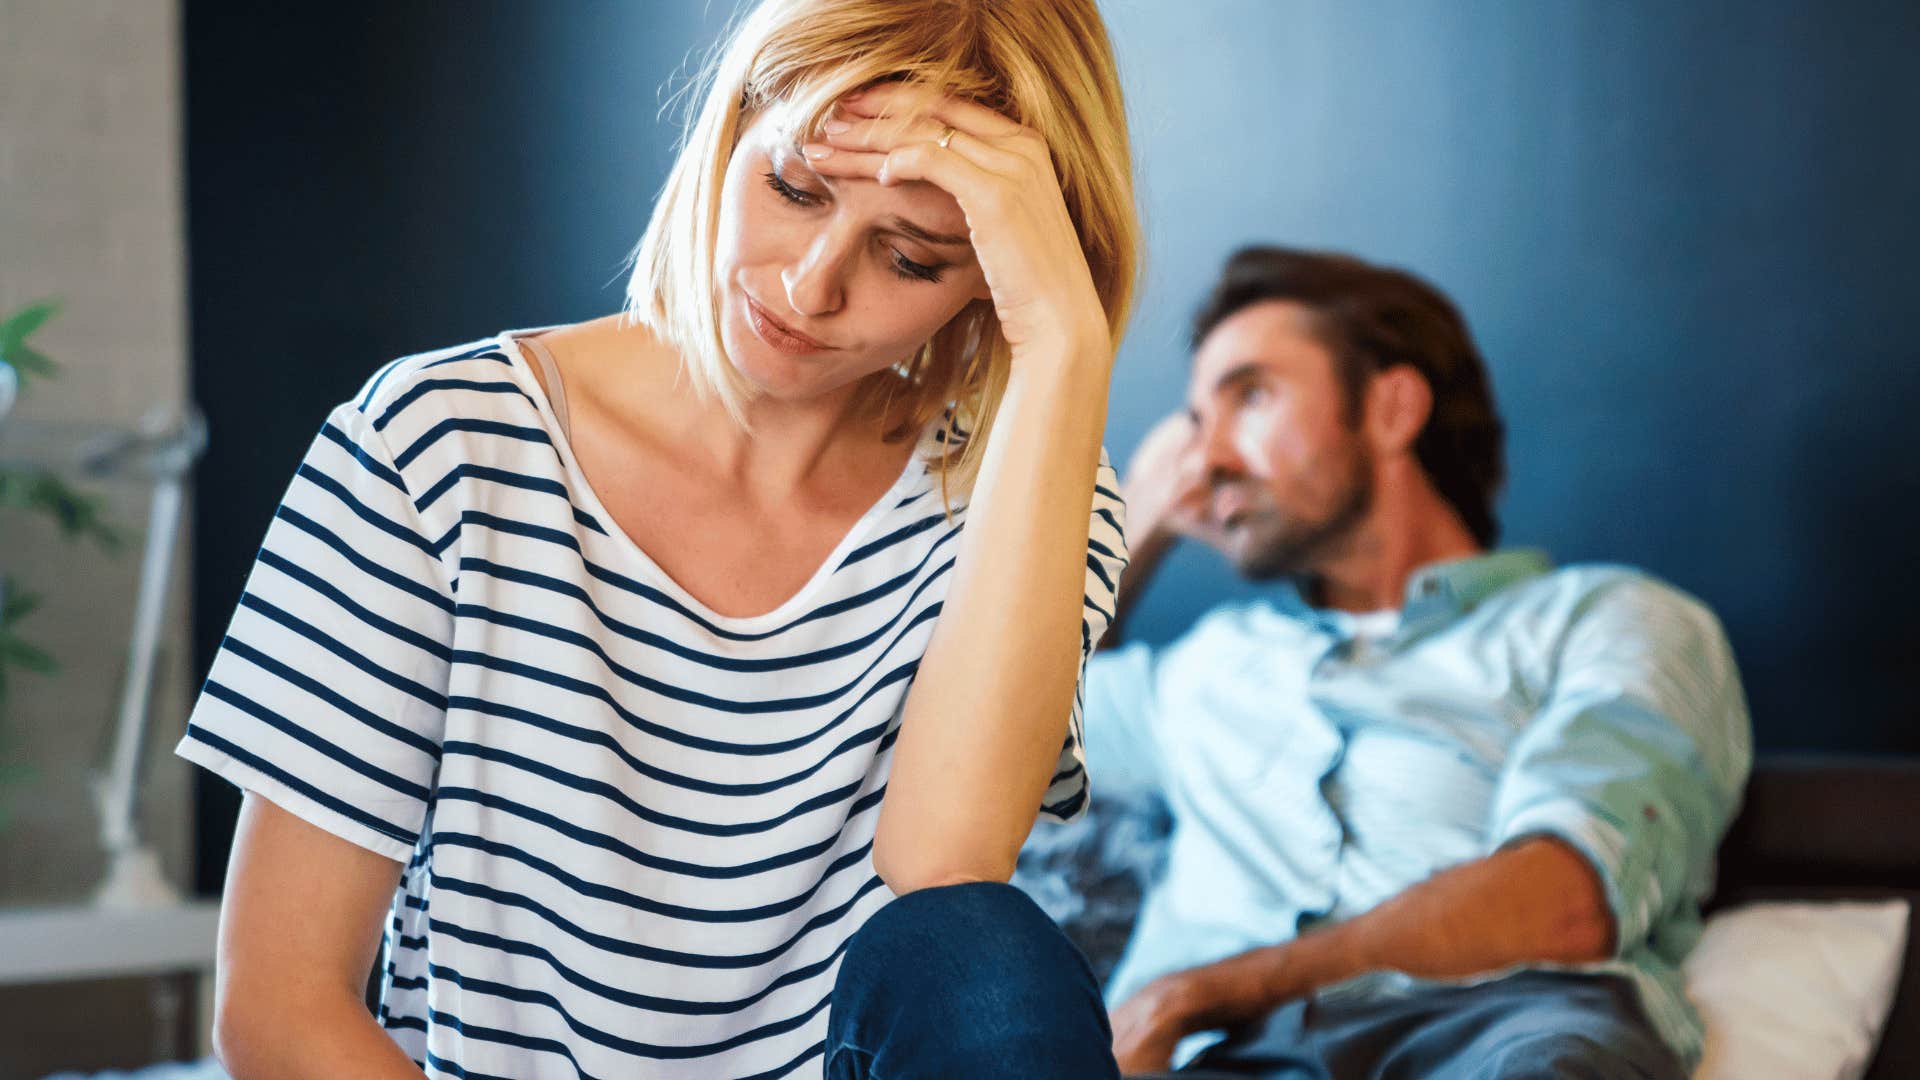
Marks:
<point>328,694</point>
<point>1066,797</point>
<point>1639,754</point>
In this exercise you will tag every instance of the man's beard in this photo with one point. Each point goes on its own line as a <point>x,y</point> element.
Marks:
<point>1298,545</point>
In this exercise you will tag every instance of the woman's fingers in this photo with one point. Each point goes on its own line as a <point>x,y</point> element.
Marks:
<point>898,99</point>
<point>885,134</point>
<point>969,183</point>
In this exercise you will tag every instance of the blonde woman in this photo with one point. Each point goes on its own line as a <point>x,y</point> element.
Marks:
<point>605,681</point>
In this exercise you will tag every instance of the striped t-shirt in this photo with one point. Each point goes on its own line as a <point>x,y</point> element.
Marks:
<point>637,833</point>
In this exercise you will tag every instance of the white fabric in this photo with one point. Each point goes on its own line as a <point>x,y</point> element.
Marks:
<point>1796,991</point>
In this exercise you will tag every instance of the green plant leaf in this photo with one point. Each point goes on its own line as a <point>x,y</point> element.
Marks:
<point>19,604</point>
<point>21,324</point>
<point>28,657</point>
<point>28,360</point>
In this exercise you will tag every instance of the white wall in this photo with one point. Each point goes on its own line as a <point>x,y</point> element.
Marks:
<point>91,213</point>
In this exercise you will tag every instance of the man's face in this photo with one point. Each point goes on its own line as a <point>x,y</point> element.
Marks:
<point>1289,473</point>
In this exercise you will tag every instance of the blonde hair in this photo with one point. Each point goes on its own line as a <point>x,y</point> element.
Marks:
<point>1046,64</point>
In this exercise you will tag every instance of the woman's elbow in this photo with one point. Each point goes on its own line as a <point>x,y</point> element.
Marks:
<point>908,867</point>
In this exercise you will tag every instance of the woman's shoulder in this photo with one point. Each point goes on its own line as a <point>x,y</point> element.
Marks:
<point>478,380</point>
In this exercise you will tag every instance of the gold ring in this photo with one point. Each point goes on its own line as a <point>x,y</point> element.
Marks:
<point>946,136</point>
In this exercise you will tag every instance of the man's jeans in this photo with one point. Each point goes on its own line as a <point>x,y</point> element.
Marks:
<point>974,980</point>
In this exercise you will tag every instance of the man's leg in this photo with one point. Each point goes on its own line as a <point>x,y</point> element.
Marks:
<point>966,980</point>
<point>1531,1025</point>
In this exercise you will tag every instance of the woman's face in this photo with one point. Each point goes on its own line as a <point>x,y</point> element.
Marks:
<point>823,283</point>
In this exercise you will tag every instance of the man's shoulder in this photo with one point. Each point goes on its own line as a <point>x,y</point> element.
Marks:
<point>1616,593</point>
<point>1233,626</point>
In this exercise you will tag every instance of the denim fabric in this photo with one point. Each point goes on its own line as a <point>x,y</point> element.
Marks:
<point>966,980</point>
<point>1530,1026</point>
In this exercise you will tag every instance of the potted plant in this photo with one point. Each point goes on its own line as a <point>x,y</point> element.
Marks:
<point>26,488</point>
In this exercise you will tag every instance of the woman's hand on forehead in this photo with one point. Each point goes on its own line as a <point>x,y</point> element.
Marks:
<point>1001,174</point>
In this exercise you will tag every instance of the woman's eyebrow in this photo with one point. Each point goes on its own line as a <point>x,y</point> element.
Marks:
<point>927,235</point>
<point>899,224</point>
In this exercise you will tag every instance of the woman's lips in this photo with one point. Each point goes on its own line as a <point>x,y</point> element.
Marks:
<point>778,334</point>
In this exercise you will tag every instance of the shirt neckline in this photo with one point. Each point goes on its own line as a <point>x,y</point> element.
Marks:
<point>583,490</point>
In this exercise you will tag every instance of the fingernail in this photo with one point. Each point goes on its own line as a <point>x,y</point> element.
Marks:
<point>835,127</point>
<point>816,151</point>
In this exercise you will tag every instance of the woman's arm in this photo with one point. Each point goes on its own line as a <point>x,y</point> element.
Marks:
<point>300,924</point>
<point>988,709</point>
<point>991,701</point>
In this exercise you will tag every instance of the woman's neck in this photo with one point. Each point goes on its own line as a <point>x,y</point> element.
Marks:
<point>637,381</point>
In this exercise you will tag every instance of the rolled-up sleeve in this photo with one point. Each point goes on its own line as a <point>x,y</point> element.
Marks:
<point>1639,752</point>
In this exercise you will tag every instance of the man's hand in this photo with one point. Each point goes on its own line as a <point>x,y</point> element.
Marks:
<point>1166,486</point>
<point>1152,1022</point>
<point>1237,990</point>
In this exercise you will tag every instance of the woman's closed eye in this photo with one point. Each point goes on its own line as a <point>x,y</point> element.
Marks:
<point>901,266</point>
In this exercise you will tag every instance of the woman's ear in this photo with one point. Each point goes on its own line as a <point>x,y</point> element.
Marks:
<point>1399,402</point>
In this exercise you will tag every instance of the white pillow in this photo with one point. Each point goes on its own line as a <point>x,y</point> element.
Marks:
<point>1796,990</point>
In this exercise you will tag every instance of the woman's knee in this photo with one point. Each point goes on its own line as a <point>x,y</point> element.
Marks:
<point>981,931</point>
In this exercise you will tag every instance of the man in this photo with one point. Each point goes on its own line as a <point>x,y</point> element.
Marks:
<point>1439,808</point>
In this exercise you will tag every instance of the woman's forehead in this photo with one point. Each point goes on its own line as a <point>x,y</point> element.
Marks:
<point>927,205</point>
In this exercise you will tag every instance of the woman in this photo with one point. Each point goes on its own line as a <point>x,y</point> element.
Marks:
<point>616,673</point>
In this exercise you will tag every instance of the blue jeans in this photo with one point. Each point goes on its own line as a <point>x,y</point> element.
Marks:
<point>966,980</point>
<point>974,980</point>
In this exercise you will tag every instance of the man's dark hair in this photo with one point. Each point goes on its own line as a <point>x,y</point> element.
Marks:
<point>1372,318</point>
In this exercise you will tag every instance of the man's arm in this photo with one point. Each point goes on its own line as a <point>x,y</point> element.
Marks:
<point>1609,809</point>
<point>1534,901</point>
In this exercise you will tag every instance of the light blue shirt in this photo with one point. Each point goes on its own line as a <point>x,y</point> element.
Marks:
<point>1313,773</point>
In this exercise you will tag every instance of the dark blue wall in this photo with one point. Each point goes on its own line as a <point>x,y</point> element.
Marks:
<point>1682,232</point>
<point>1685,235</point>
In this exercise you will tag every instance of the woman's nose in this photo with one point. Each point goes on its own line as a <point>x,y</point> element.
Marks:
<point>813,280</point>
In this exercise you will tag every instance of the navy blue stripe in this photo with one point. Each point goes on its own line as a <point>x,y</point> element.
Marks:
<point>595,1035</point>
<point>267,768</point>
<point>778,1071</point>
<point>427,386</point>
<point>360,510</point>
<point>1066,807</point>
<point>633,677</point>
<point>596,839</point>
<point>379,377</point>
<point>464,423</point>
<point>1100,572</point>
<point>598,692</point>
<point>905,532</point>
<point>725,663</point>
<point>498,1035</point>
<point>601,738</point>
<point>436,649</point>
<point>638,902</point>
<point>305,735</point>
<point>625,947</point>
<point>331,696</point>
<point>505,477</point>
<point>360,562</point>
<point>569,777</point>
<point>488,351</point>
<point>648,592</point>
<point>432,697</point>
<point>632,999</point>
<point>367,461</point>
